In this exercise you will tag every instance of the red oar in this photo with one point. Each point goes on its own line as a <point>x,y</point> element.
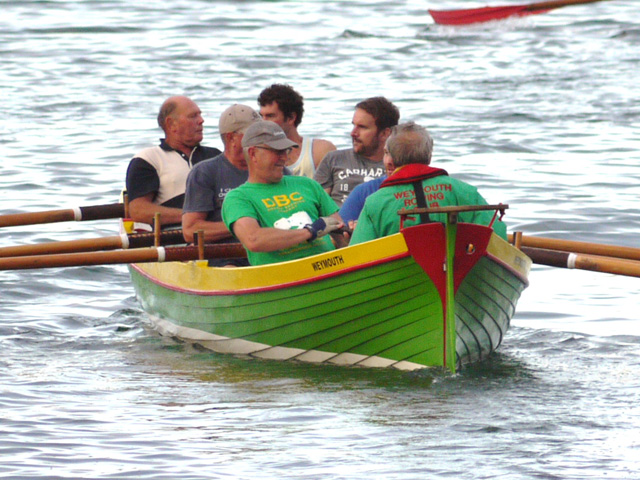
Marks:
<point>486,14</point>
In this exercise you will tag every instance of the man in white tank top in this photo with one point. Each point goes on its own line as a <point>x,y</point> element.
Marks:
<point>283,105</point>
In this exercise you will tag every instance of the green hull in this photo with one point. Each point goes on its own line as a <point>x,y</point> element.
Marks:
<point>485,304</point>
<point>388,313</point>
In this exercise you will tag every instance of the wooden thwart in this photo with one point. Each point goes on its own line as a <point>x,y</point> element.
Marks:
<point>453,209</point>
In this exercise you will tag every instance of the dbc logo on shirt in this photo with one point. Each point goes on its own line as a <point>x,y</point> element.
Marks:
<point>279,201</point>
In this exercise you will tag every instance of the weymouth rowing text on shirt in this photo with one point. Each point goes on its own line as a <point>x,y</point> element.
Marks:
<point>432,194</point>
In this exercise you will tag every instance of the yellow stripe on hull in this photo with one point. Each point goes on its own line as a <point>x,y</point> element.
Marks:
<point>197,276</point>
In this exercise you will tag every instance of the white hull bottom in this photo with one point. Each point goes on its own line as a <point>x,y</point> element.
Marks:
<point>236,346</point>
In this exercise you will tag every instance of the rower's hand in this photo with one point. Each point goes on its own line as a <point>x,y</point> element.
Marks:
<point>323,226</point>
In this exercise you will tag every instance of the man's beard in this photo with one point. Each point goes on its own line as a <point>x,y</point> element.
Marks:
<point>365,150</point>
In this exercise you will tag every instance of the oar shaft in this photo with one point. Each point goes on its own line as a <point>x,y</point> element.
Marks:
<point>592,263</point>
<point>134,240</point>
<point>71,246</point>
<point>137,255</point>
<point>151,254</point>
<point>93,212</point>
<point>629,253</point>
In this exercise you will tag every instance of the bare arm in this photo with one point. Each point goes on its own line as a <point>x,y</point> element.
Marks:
<point>320,149</point>
<point>142,209</point>
<point>260,239</point>
<point>193,222</point>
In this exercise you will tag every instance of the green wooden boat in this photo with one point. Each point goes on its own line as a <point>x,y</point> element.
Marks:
<point>433,295</point>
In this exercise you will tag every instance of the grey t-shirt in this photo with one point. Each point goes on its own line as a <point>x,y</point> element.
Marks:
<point>343,170</point>
<point>208,183</point>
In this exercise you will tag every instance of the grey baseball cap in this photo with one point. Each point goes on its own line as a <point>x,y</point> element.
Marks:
<point>237,118</point>
<point>267,133</point>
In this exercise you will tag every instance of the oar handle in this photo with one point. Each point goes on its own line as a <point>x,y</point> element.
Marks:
<point>94,212</point>
<point>102,212</point>
<point>211,250</point>
<point>147,239</point>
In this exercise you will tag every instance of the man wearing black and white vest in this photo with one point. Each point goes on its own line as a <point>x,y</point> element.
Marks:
<point>157,176</point>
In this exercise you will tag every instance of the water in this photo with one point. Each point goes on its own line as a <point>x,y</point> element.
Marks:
<point>541,113</point>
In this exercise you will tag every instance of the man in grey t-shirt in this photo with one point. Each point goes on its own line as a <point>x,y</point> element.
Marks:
<point>210,181</point>
<point>342,170</point>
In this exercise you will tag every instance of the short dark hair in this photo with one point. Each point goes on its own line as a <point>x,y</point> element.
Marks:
<point>385,113</point>
<point>289,101</point>
<point>167,108</point>
<point>410,143</point>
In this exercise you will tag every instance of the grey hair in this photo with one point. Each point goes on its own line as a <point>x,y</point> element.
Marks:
<point>167,108</point>
<point>410,143</point>
<point>245,154</point>
<point>224,137</point>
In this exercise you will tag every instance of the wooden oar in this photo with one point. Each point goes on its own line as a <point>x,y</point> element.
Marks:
<point>628,253</point>
<point>93,212</point>
<point>134,240</point>
<point>485,14</point>
<point>593,263</point>
<point>137,255</point>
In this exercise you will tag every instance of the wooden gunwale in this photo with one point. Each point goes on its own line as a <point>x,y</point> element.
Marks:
<point>508,267</point>
<point>492,253</point>
<point>494,249</point>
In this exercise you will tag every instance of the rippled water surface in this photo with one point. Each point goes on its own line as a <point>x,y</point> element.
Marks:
<point>541,113</point>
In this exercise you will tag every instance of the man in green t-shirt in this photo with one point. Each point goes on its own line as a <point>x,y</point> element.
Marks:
<point>413,183</point>
<point>278,217</point>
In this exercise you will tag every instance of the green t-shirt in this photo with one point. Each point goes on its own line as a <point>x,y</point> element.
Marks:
<point>380,218</point>
<point>289,204</point>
